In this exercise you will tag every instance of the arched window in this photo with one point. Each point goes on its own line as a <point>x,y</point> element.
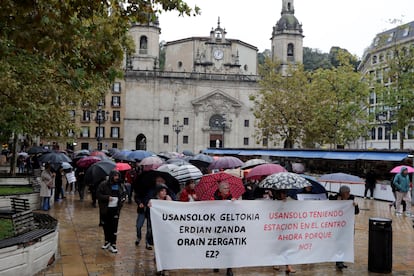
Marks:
<point>380,133</point>
<point>288,6</point>
<point>143,44</point>
<point>141,142</point>
<point>373,136</point>
<point>290,52</point>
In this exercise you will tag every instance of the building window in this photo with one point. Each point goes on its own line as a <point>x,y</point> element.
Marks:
<point>100,132</point>
<point>116,116</point>
<point>394,135</point>
<point>86,116</point>
<point>116,101</point>
<point>264,142</point>
<point>72,114</point>
<point>166,120</point>
<point>374,59</point>
<point>387,134</point>
<point>116,87</point>
<point>143,45</point>
<point>165,139</point>
<point>373,130</point>
<point>85,146</point>
<point>85,132</point>
<point>390,37</point>
<point>410,132</point>
<point>372,98</point>
<point>290,52</point>
<point>180,64</point>
<point>380,133</point>
<point>185,121</point>
<point>246,123</point>
<point>246,141</point>
<point>114,145</point>
<point>185,139</point>
<point>115,132</point>
<point>406,31</point>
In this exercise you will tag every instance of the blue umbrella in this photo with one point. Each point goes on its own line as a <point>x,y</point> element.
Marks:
<point>316,188</point>
<point>139,154</point>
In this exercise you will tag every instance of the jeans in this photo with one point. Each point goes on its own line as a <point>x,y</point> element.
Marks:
<point>140,222</point>
<point>45,203</point>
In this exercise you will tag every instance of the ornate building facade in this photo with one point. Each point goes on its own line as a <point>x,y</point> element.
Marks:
<point>201,98</point>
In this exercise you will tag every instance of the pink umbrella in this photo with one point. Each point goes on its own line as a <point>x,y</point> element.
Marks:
<point>87,161</point>
<point>225,162</point>
<point>263,170</point>
<point>151,163</point>
<point>398,169</point>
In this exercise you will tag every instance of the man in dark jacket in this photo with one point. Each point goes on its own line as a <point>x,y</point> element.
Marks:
<point>344,194</point>
<point>111,194</point>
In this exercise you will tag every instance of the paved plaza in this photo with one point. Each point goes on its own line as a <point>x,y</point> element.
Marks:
<point>80,241</point>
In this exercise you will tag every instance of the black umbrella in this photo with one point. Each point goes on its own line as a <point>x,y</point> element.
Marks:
<point>55,159</point>
<point>37,149</point>
<point>146,181</point>
<point>201,160</point>
<point>98,171</point>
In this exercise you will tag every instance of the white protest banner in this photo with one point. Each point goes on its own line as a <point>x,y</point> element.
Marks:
<point>221,234</point>
<point>312,196</point>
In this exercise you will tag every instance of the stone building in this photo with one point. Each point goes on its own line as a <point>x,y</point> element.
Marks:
<point>201,97</point>
<point>374,66</point>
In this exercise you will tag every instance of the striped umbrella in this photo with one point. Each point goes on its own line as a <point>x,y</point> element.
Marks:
<point>186,172</point>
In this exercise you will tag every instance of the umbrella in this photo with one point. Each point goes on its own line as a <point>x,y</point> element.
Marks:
<point>24,154</point>
<point>66,166</point>
<point>253,163</point>
<point>82,152</point>
<point>186,172</point>
<point>298,168</point>
<point>398,169</point>
<point>139,154</point>
<point>151,163</point>
<point>55,159</point>
<point>284,181</point>
<point>208,185</point>
<point>225,162</point>
<point>112,151</point>
<point>121,156</point>
<point>177,161</point>
<point>37,149</point>
<point>317,188</point>
<point>201,160</point>
<point>98,171</point>
<point>167,168</point>
<point>146,181</point>
<point>122,167</point>
<point>87,161</point>
<point>341,178</point>
<point>263,170</point>
<point>98,153</point>
<point>236,172</point>
<point>188,153</point>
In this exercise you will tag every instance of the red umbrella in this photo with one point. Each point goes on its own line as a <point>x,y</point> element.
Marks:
<point>87,161</point>
<point>98,153</point>
<point>122,167</point>
<point>226,162</point>
<point>208,184</point>
<point>264,170</point>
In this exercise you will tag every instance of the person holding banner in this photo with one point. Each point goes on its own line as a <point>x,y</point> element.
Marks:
<point>223,193</point>
<point>188,193</point>
<point>344,194</point>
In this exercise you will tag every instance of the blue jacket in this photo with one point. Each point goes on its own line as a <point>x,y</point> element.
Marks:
<point>402,182</point>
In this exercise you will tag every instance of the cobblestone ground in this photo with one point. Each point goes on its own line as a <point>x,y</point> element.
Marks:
<point>80,241</point>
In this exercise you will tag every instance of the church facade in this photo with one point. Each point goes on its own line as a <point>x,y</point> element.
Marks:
<point>201,97</point>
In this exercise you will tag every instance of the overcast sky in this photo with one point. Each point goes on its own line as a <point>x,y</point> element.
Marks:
<point>349,24</point>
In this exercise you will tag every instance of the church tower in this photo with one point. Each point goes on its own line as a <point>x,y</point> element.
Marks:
<point>146,38</point>
<point>287,37</point>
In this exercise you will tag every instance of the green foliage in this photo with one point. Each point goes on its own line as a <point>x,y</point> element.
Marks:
<point>327,106</point>
<point>4,190</point>
<point>6,228</point>
<point>314,59</point>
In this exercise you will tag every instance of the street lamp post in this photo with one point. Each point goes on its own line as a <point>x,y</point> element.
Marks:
<point>99,120</point>
<point>383,118</point>
<point>177,129</point>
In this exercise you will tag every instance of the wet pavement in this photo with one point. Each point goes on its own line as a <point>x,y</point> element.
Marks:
<point>80,241</point>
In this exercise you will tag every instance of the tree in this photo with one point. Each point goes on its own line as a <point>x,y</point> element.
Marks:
<point>398,96</point>
<point>314,59</point>
<point>281,107</point>
<point>340,115</point>
<point>60,55</point>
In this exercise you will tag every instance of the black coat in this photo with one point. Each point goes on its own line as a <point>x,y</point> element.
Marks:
<point>103,193</point>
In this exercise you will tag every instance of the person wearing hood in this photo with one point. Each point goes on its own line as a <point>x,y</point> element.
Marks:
<point>111,194</point>
<point>402,190</point>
